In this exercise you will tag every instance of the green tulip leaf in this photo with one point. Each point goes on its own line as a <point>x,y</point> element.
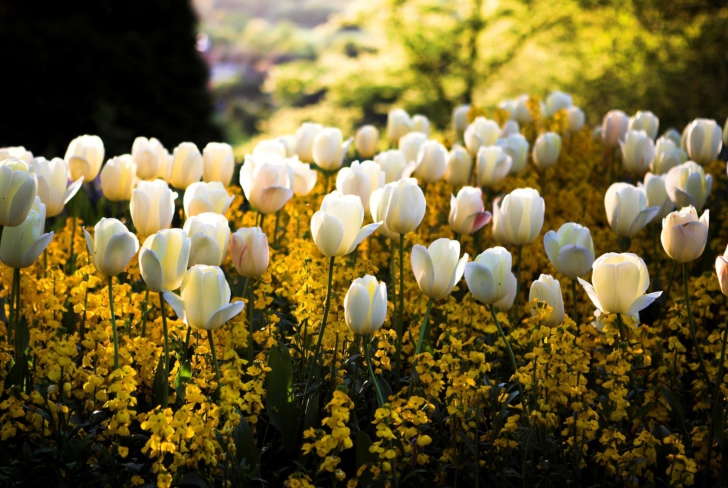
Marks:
<point>280,400</point>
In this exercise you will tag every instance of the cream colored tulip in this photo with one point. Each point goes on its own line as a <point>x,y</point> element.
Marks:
<point>399,123</point>
<point>684,235</point>
<point>460,119</point>
<point>570,250</point>
<point>84,156</point>
<point>557,100</point>
<point>431,162</point>
<point>53,188</point>
<point>575,119</point>
<point>273,146</point>
<point>467,212</point>
<point>627,210</point>
<point>150,157</point>
<point>646,121</point>
<point>439,267</point>
<point>304,178</point>
<point>249,252</point>
<point>498,235</point>
<point>210,235</point>
<point>218,163</point>
<point>657,194</point>
<point>18,188</point>
<point>289,143</point>
<point>366,140</point>
<point>721,269</point>
<point>510,128</point>
<point>304,140</point>
<point>481,133</point>
<point>21,245</point>
<point>492,166</point>
<point>547,289</point>
<point>361,179</point>
<point>667,156</point>
<point>16,152</point>
<point>267,182</point>
<point>187,166</point>
<point>546,150</point>
<point>117,178</point>
<point>410,145</point>
<point>152,207</point>
<point>459,166</point>
<point>329,149</point>
<point>400,206</point>
<point>521,214</point>
<point>393,162</point>
<point>420,123</point>
<point>336,227</point>
<point>614,128</point>
<point>688,184</point>
<point>506,303</point>
<point>365,305</point>
<point>521,112</point>
<point>638,151</point>
<point>516,146</point>
<point>201,197</point>
<point>112,246</point>
<point>163,259</point>
<point>487,276</point>
<point>204,299</point>
<point>703,140</point>
<point>619,284</point>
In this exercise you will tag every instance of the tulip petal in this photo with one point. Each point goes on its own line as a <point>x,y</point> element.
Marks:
<point>151,269</point>
<point>422,268</point>
<point>480,283</point>
<point>642,219</point>
<point>357,309</point>
<point>177,304</point>
<point>592,293</point>
<point>72,190</point>
<point>365,232</point>
<point>273,199</point>
<point>551,245</point>
<point>575,260</point>
<point>327,233</point>
<point>481,220</point>
<point>221,316</point>
<point>119,251</point>
<point>89,243</point>
<point>642,302</point>
<point>37,247</point>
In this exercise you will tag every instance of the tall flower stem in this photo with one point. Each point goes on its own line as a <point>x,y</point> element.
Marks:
<point>513,361</point>
<point>576,303</point>
<point>165,391</point>
<point>14,287</point>
<point>367,351</point>
<point>113,322</point>
<point>693,335</point>
<point>187,341</point>
<point>622,335</point>
<point>423,328</point>
<point>317,349</point>
<point>514,318</point>
<point>144,311</point>
<point>393,278</point>
<point>71,256</point>
<point>400,315</point>
<point>716,403</point>
<point>214,356</point>
<point>275,230</point>
<point>262,221</point>
<point>250,289</point>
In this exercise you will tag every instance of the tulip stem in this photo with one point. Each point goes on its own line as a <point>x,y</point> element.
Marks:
<point>214,356</point>
<point>693,335</point>
<point>71,257</point>
<point>622,336</point>
<point>576,303</point>
<point>275,230</point>
<point>250,285</point>
<point>113,322</point>
<point>322,328</point>
<point>187,341</point>
<point>400,319</point>
<point>424,327</point>
<point>367,351</point>
<point>45,261</point>
<point>513,360</point>
<point>716,396</point>
<point>13,298</point>
<point>145,311</point>
<point>165,391</point>
<point>519,250</point>
<point>262,219</point>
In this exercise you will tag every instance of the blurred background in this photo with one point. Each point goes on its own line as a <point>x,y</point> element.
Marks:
<point>233,69</point>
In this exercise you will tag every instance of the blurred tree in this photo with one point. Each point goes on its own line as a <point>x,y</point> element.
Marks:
<point>116,68</point>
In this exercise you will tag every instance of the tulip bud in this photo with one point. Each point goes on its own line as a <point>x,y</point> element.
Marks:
<point>400,205</point>
<point>687,184</point>
<point>438,268</point>
<point>204,300</point>
<point>657,194</point>
<point>393,162</point>
<point>365,305</point>
<point>467,212</point>
<point>521,113</point>
<point>420,123</point>
<point>498,235</point>
<point>21,245</point>
<point>575,119</point>
<point>597,134</point>
<point>684,235</point>
<point>614,128</point>
<point>85,155</point>
<point>459,164</point>
<point>289,143</point>
<point>117,178</point>
<point>492,166</point>
<point>201,197</point>
<point>267,182</point>
<point>336,227</point>
<point>644,120</point>
<point>165,167</point>
<point>410,145</point>
<point>460,119</point>
<point>509,128</point>
<point>667,156</point>
<point>329,149</point>
<point>638,151</point>
<point>210,234</point>
<point>366,140</point>
<point>546,150</point>
<point>152,207</point>
<point>521,215</point>
<point>547,289</point>
<point>482,132</point>
<point>163,259</point>
<point>218,163</point>
<point>361,179</point>
<point>18,188</point>
<point>673,135</point>
<point>270,146</point>
<point>506,303</point>
<point>149,156</point>
<point>627,210</point>
<point>249,252</point>
<point>304,178</point>
<point>187,165</point>
<point>16,152</point>
<point>619,284</point>
<point>431,162</point>
<point>516,146</point>
<point>556,101</point>
<point>52,181</point>
<point>399,123</point>
<point>304,140</point>
<point>721,268</point>
<point>703,140</point>
<point>487,276</point>
<point>570,250</point>
<point>111,247</point>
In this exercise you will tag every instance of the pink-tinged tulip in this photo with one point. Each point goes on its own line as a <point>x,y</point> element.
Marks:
<point>684,235</point>
<point>336,227</point>
<point>267,182</point>
<point>249,252</point>
<point>467,212</point>
<point>614,128</point>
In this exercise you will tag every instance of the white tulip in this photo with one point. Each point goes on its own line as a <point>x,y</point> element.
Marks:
<point>657,194</point>
<point>667,155</point>
<point>509,128</point>
<point>638,151</point>
<point>152,207</point>
<point>117,178</point>
<point>460,118</point>
<point>204,197</point>
<point>546,150</point>
<point>393,162</point>
<point>111,247</point>
<point>459,165</point>
<point>366,140</point>
<point>627,210</point>
<point>16,152</point>
<point>410,144</point>
<point>547,289</point>
<point>84,156</point>
<point>270,146</point>
<point>329,149</point>
<point>267,181</point>
<point>614,128</point>
<point>487,276</point>
<point>187,165</point>
<point>431,162</point>
<point>218,163</point>
<point>399,123</point>
<point>556,101</point>
<point>163,259</point>
<point>703,141</point>
<point>365,305</point>
<point>53,188</point>
<point>21,245</point>
<point>570,250</point>
<point>439,267</point>
<point>482,132</point>
<point>18,188</point>
<point>521,215</point>
<point>400,206</point>
<point>149,156</point>
<point>304,178</point>
<point>492,165</point>
<point>420,123</point>
<point>361,179</point>
<point>336,227</point>
<point>688,184</point>
<point>304,140</point>
<point>646,121</point>
<point>210,235</point>
<point>575,119</point>
<point>516,146</point>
